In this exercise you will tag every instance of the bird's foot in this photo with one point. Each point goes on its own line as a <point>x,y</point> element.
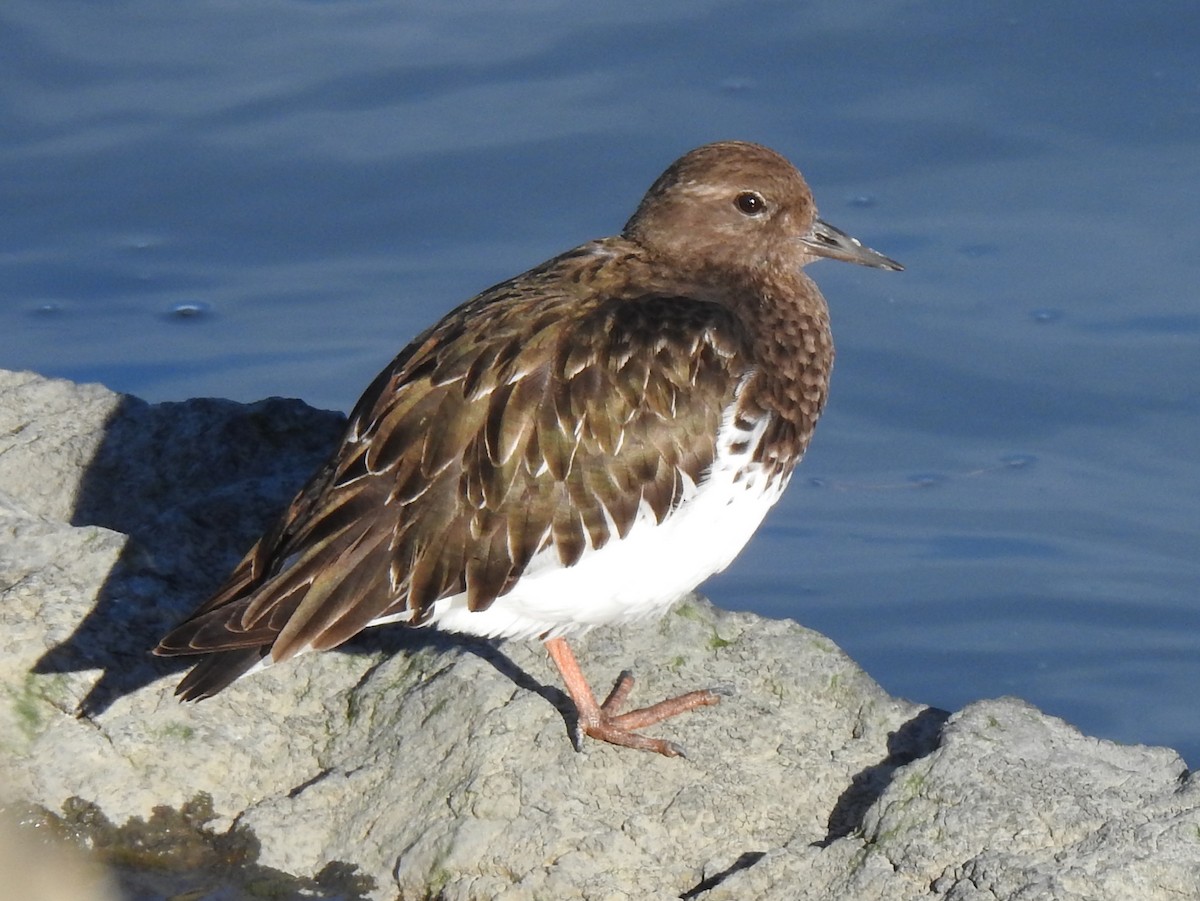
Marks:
<point>607,723</point>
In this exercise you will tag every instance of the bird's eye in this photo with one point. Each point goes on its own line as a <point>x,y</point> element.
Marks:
<point>750,203</point>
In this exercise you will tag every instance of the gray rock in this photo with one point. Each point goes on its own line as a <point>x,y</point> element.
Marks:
<point>436,764</point>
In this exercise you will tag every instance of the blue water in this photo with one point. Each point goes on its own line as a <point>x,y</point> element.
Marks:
<point>271,198</point>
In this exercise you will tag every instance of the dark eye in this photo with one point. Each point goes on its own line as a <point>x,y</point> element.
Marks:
<point>750,203</point>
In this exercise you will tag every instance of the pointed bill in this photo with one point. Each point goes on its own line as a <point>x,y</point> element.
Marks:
<point>826,241</point>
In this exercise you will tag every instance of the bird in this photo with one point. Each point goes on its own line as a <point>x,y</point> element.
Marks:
<point>580,445</point>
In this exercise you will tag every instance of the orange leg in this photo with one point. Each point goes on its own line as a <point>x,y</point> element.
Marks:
<point>605,721</point>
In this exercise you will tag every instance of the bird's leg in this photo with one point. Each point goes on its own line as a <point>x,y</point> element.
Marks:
<point>605,721</point>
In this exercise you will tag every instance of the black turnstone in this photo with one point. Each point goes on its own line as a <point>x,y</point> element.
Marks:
<point>582,444</point>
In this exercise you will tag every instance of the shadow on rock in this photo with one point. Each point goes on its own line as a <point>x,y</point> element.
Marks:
<point>912,741</point>
<point>193,485</point>
<point>749,859</point>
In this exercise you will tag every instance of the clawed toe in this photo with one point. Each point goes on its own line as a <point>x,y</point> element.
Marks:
<point>607,723</point>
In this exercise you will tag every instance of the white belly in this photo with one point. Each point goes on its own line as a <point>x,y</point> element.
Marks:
<point>638,576</point>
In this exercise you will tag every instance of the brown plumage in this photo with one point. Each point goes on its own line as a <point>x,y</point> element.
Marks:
<point>582,407</point>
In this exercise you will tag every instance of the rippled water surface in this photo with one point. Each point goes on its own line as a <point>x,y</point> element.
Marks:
<point>271,198</point>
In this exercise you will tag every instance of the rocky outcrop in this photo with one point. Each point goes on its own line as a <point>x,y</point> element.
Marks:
<point>426,765</point>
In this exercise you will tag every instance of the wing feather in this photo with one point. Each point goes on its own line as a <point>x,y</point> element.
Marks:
<point>482,445</point>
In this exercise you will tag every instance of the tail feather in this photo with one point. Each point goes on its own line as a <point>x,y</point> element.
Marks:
<point>218,670</point>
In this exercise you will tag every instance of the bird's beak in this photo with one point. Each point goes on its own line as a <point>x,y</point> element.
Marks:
<point>826,241</point>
